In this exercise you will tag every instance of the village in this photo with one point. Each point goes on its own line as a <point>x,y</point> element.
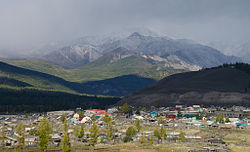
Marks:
<point>178,128</point>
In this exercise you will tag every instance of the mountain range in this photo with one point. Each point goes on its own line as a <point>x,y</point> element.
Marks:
<point>86,59</point>
<point>186,50</point>
<point>238,49</point>
<point>95,66</point>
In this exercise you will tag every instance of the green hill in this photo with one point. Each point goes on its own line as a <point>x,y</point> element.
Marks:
<point>224,85</point>
<point>119,86</point>
<point>41,66</point>
<point>12,82</point>
<point>14,100</point>
<point>100,69</point>
<point>37,79</point>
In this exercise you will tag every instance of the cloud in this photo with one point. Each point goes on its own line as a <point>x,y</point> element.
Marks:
<point>29,22</point>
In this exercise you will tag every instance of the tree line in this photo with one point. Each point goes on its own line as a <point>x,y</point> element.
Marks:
<point>33,100</point>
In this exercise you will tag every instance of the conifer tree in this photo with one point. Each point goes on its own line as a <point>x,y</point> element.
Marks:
<point>219,118</point>
<point>21,136</point>
<point>81,133</point>
<point>110,131</point>
<point>66,145</point>
<point>3,137</point>
<point>106,119</point>
<point>151,139</point>
<point>142,139</point>
<point>94,134</point>
<point>181,136</point>
<point>227,120</point>
<point>126,108</point>
<point>76,131</point>
<point>163,133</point>
<point>43,132</point>
<point>130,132</point>
<point>138,125</point>
<point>157,134</point>
<point>160,120</point>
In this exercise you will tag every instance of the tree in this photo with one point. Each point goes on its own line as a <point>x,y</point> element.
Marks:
<point>3,137</point>
<point>62,118</point>
<point>151,139</point>
<point>44,130</point>
<point>76,131</point>
<point>197,117</point>
<point>163,133</point>
<point>20,131</point>
<point>93,118</point>
<point>138,111</point>
<point>106,119</point>
<point>66,145</point>
<point>138,125</point>
<point>160,120</point>
<point>94,134</point>
<point>157,134</point>
<point>80,113</point>
<point>227,120</point>
<point>181,136</point>
<point>219,118</point>
<point>110,132</point>
<point>81,133</point>
<point>65,125</point>
<point>126,108</point>
<point>142,139</point>
<point>33,132</point>
<point>130,132</point>
<point>179,115</point>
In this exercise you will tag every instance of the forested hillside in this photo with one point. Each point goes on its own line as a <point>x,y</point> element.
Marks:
<point>36,100</point>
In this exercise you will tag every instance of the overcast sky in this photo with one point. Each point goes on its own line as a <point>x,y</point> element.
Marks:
<point>32,22</point>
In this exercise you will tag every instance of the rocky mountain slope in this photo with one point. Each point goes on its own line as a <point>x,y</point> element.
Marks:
<point>88,49</point>
<point>73,56</point>
<point>186,50</point>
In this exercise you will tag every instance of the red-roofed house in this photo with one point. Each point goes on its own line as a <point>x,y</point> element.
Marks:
<point>92,112</point>
<point>102,114</point>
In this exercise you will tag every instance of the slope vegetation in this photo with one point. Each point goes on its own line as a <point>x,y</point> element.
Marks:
<point>224,85</point>
<point>119,86</point>
<point>14,100</point>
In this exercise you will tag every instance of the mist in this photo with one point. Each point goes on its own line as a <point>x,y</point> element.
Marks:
<point>30,23</point>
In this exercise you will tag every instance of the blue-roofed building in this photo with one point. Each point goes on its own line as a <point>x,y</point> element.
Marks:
<point>153,114</point>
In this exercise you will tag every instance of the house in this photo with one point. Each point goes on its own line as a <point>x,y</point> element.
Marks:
<point>138,117</point>
<point>170,116</point>
<point>76,115</point>
<point>60,113</point>
<point>56,139</point>
<point>189,115</point>
<point>31,141</point>
<point>91,112</point>
<point>102,114</point>
<point>153,114</point>
<point>214,141</point>
<point>112,110</point>
<point>85,119</point>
